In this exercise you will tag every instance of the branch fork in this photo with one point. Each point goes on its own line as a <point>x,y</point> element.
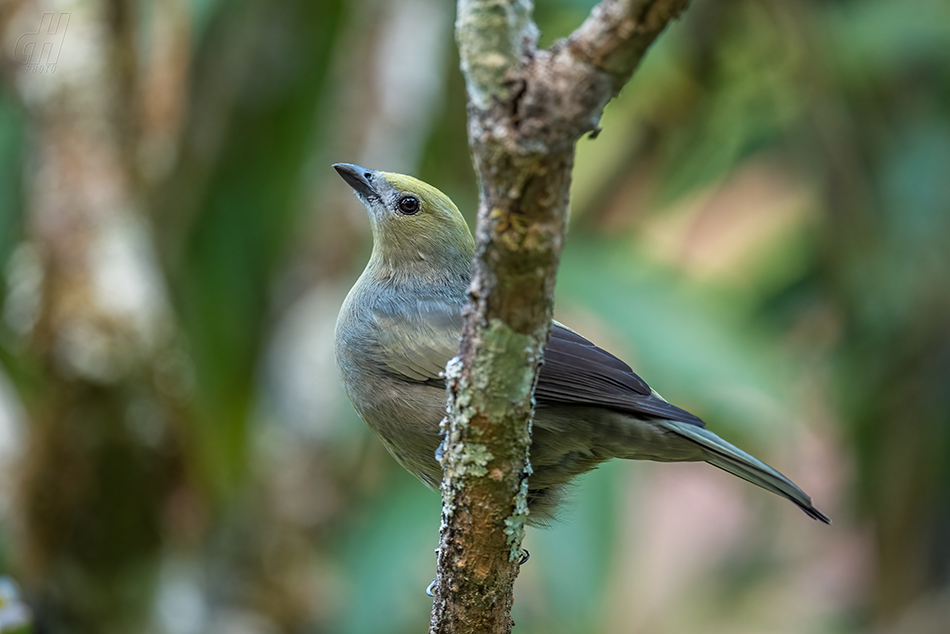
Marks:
<point>527,108</point>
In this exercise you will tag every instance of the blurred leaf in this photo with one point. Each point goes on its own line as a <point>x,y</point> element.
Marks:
<point>573,557</point>
<point>748,100</point>
<point>876,38</point>
<point>247,214</point>
<point>390,558</point>
<point>12,129</point>
<point>694,351</point>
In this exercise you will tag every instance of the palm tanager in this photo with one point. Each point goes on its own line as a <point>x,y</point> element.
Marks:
<point>402,322</point>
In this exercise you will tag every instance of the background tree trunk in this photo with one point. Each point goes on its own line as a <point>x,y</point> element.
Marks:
<point>104,452</point>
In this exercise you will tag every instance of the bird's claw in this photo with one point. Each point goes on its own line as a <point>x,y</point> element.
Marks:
<point>430,589</point>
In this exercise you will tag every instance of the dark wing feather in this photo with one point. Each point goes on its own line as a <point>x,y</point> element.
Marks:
<point>577,372</point>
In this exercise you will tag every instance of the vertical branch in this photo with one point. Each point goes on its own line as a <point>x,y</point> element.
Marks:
<point>527,108</point>
<point>491,381</point>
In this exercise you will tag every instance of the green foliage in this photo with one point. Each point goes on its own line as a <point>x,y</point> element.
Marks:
<point>247,211</point>
<point>11,157</point>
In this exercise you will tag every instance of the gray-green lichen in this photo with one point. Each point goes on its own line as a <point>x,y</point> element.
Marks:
<point>491,36</point>
<point>499,384</point>
<point>474,460</point>
<point>514,525</point>
<point>459,414</point>
<point>471,458</point>
<point>500,374</point>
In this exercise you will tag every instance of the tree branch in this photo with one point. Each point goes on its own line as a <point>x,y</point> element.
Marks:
<point>527,108</point>
<point>617,34</point>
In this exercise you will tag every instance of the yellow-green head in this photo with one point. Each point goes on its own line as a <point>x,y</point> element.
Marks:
<point>417,230</point>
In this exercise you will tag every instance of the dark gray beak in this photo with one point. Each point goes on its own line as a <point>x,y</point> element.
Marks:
<point>359,178</point>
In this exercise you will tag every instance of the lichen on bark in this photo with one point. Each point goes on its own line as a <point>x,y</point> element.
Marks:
<point>527,108</point>
<point>491,37</point>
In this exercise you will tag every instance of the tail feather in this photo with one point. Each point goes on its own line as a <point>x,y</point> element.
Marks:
<point>727,457</point>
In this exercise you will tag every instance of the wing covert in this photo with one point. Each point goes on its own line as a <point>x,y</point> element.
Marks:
<point>577,372</point>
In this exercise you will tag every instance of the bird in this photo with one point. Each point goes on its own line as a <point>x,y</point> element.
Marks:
<point>402,322</point>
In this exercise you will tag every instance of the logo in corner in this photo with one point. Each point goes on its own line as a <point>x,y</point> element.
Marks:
<point>40,50</point>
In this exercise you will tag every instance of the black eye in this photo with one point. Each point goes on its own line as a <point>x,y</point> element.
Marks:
<point>409,205</point>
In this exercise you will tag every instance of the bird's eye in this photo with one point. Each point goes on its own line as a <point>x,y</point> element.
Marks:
<point>409,205</point>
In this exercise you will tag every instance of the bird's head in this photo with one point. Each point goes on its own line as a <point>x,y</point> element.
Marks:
<point>417,230</point>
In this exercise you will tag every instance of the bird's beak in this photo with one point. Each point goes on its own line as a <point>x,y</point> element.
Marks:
<point>359,178</point>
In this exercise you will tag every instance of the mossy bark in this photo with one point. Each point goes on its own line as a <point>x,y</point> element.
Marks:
<point>527,108</point>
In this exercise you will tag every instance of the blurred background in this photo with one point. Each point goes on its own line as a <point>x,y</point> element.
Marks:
<point>762,230</point>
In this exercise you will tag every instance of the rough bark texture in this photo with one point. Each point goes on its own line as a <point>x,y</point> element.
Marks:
<point>527,108</point>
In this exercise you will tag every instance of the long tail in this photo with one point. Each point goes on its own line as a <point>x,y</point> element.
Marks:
<point>729,458</point>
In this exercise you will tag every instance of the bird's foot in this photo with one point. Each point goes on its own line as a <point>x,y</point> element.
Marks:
<point>430,589</point>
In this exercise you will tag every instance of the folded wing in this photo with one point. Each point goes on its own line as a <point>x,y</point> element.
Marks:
<point>577,372</point>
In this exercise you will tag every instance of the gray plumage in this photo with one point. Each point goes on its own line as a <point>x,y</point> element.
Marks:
<point>402,322</point>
